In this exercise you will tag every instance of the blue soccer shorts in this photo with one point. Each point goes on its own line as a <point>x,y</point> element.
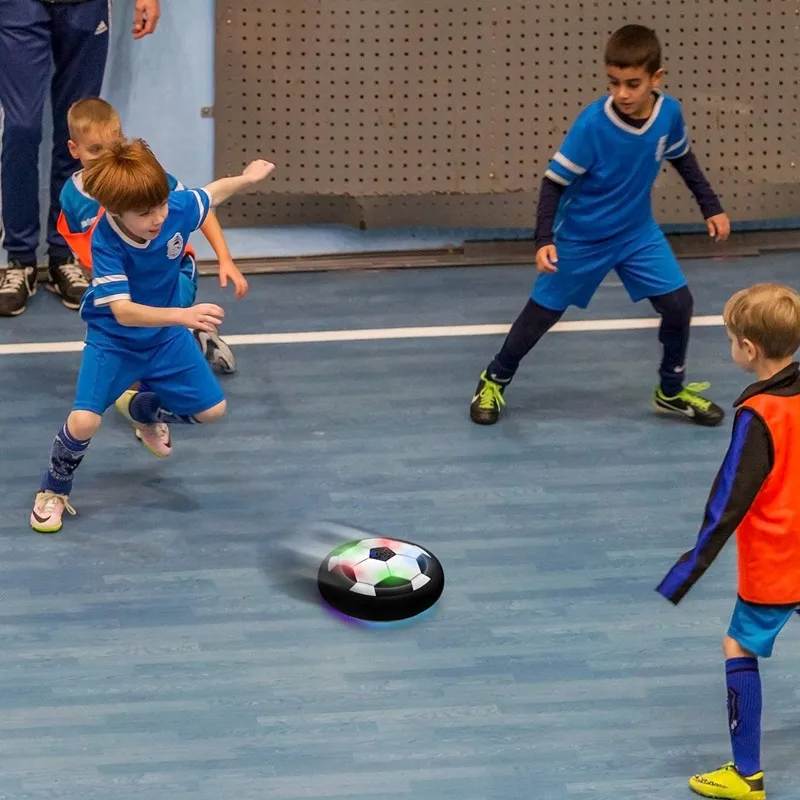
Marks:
<point>187,281</point>
<point>645,264</point>
<point>756,627</point>
<point>176,370</point>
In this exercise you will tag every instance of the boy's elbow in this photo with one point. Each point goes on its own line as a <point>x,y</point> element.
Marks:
<point>121,309</point>
<point>213,202</point>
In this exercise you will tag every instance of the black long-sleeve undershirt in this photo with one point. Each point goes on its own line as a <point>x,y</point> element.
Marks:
<point>686,166</point>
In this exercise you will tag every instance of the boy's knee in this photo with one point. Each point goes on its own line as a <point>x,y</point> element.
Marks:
<point>82,425</point>
<point>675,306</point>
<point>732,649</point>
<point>212,414</point>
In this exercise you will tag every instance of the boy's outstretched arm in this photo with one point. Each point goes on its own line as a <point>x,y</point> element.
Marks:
<point>746,466</point>
<point>212,230</point>
<point>255,172</point>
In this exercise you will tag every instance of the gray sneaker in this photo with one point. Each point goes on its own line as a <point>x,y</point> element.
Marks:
<point>216,351</point>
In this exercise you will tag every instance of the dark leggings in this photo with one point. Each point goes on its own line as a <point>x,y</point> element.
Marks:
<point>675,309</point>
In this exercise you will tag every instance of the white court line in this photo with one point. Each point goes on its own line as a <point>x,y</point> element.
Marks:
<point>372,334</point>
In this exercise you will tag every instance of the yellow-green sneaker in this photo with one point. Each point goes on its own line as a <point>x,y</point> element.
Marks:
<point>727,784</point>
<point>487,401</point>
<point>690,404</point>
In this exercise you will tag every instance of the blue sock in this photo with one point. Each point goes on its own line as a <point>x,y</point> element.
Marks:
<point>744,713</point>
<point>65,458</point>
<point>146,408</point>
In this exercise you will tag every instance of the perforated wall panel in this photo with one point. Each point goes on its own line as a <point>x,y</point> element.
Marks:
<point>405,112</point>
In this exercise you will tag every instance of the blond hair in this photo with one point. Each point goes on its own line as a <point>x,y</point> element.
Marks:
<point>89,114</point>
<point>126,178</point>
<point>768,314</point>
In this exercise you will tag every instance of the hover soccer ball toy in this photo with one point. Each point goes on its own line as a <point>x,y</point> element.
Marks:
<point>380,579</point>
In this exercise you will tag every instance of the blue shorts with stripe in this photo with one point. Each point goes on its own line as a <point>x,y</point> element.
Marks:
<point>645,264</point>
<point>756,627</point>
<point>175,369</point>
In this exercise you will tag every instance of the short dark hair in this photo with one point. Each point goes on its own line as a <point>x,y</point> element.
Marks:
<point>634,46</point>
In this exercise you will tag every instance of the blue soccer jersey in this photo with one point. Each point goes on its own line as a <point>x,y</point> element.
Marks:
<point>147,273</point>
<point>80,210</point>
<point>608,168</point>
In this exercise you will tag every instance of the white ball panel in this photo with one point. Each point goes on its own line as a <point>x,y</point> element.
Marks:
<point>363,588</point>
<point>371,571</point>
<point>403,567</point>
<point>419,582</point>
<point>350,557</point>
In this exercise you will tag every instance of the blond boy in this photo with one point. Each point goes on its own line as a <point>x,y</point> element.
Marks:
<point>757,495</point>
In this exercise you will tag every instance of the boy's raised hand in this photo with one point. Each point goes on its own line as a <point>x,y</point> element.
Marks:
<point>228,271</point>
<point>258,170</point>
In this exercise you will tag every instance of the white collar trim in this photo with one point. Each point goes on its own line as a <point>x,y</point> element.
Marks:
<point>124,236</point>
<point>614,117</point>
<point>77,180</point>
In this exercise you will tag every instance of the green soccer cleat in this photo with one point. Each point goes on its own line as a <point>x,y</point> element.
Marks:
<point>485,406</point>
<point>690,404</point>
<point>727,784</point>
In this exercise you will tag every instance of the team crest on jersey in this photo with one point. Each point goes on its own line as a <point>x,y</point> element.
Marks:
<point>662,146</point>
<point>175,246</point>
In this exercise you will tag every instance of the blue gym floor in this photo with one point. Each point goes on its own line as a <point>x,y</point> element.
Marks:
<point>153,651</point>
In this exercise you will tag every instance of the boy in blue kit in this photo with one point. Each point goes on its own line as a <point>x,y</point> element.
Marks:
<point>94,124</point>
<point>756,495</point>
<point>136,328</point>
<point>594,216</point>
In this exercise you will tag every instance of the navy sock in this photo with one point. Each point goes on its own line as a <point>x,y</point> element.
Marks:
<point>675,309</point>
<point>146,408</point>
<point>744,713</point>
<point>533,322</point>
<point>65,458</point>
